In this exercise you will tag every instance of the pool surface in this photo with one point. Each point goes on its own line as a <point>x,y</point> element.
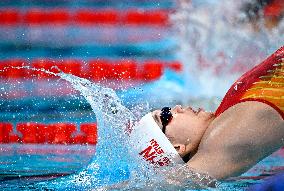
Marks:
<point>64,132</point>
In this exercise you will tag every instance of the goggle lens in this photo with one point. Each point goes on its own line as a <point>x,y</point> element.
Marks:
<point>165,116</point>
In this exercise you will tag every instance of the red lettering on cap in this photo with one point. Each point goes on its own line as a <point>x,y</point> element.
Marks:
<point>148,155</point>
<point>156,146</point>
<point>164,161</point>
<point>154,151</point>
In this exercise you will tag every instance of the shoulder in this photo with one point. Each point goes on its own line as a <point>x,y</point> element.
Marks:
<point>251,106</point>
<point>241,120</point>
<point>238,139</point>
<point>249,111</point>
<point>253,112</point>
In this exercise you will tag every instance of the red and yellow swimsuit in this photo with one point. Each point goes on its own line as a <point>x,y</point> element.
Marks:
<point>263,83</point>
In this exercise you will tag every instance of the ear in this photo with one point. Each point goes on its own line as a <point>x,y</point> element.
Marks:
<point>185,149</point>
<point>180,148</point>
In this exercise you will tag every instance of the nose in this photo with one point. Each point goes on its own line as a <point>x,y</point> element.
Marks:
<point>177,109</point>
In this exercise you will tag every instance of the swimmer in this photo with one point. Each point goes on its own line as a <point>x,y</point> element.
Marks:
<point>269,13</point>
<point>247,126</point>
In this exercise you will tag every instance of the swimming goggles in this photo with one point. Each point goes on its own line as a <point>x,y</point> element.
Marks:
<point>165,116</point>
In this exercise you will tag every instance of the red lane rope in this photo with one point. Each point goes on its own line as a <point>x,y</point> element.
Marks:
<point>94,69</point>
<point>64,16</point>
<point>55,133</point>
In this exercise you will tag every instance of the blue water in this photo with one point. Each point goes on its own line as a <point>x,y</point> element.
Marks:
<point>30,160</point>
<point>75,167</point>
<point>44,167</point>
<point>42,175</point>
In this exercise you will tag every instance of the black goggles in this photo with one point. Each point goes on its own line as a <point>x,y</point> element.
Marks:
<point>165,116</point>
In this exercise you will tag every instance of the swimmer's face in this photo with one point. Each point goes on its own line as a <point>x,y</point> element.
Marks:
<point>186,127</point>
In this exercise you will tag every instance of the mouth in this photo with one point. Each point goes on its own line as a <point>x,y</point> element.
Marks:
<point>196,111</point>
<point>199,110</point>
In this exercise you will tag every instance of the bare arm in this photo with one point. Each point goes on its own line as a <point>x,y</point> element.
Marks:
<point>238,139</point>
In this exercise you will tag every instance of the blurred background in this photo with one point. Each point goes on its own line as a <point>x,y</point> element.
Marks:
<point>155,53</point>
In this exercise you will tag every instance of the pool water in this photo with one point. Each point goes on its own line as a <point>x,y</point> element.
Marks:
<point>47,173</point>
<point>51,167</point>
<point>202,36</point>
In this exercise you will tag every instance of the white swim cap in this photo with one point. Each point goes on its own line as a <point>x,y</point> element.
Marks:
<point>150,143</point>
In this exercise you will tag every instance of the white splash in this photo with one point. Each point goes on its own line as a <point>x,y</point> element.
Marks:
<point>216,47</point>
